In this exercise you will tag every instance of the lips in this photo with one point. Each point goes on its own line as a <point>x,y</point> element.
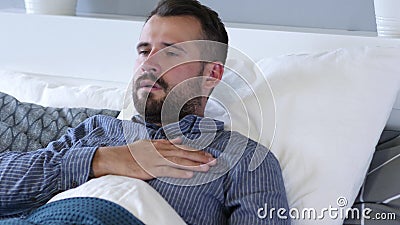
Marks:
<point>149,84</point>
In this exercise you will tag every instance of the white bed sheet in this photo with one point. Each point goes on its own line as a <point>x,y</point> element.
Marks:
<point>134,195</point>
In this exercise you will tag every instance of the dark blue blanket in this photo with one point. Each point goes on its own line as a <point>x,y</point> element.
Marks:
<point>79,211</point>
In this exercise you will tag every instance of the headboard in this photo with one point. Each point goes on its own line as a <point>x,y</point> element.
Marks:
<point>103,47</point>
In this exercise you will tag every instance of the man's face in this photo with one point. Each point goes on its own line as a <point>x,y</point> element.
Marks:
<point>167,79</point>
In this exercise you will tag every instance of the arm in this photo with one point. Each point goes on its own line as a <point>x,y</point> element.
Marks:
<point>30,179</point>
<point>147,159</point>
<point>252,194</point>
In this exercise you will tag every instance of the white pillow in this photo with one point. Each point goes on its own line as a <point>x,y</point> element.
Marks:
<point>330,111</point>
<point>134,195</point>
<point>55,91</point>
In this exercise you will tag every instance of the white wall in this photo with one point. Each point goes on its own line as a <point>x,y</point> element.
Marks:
<point>355,15</point>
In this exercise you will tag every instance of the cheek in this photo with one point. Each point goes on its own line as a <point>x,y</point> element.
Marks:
<point>181,73</point>
<point>138,63</point>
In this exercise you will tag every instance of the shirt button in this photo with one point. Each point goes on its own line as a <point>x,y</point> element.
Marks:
<point>74,184</point>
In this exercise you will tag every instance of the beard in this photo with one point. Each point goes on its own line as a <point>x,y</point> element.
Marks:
<point>179,101</point>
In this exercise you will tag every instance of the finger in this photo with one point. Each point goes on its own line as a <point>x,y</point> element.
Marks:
<point>212,162</point>
<point>166,144</point>
<point>173,143</point>
<point>185,164</point>
<point>176,141</point>
<point>163,143</point>
<point>169,150</point>
<point>160,141</point>
<point>187,148</point>
<point>176,147</point>
<point>167,171</point>
<point>197,156</point>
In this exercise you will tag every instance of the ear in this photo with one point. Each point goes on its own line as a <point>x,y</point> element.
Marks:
<point>213,72</point>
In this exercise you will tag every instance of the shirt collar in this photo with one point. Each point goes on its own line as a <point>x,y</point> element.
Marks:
<point>189,124</point>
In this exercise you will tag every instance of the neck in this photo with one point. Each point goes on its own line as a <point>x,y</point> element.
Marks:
<point>198,111</point>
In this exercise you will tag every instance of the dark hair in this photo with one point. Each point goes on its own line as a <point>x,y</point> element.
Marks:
<point>212,27</point>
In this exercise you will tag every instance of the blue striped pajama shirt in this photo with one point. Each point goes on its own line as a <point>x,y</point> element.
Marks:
<point>229,193</point>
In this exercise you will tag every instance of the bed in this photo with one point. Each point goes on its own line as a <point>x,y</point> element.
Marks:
<point>323,102</point>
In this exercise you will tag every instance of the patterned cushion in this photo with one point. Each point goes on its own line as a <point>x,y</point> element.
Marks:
<point>26,126</point>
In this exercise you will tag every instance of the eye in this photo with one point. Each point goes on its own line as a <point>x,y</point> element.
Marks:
<point>143,52</point>
<point>171,53</point>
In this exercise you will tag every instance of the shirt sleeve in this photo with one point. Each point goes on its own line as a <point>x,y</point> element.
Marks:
<point>253,194</point>
<point>30,179</point>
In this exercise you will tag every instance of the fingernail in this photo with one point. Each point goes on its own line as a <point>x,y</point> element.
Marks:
<point>205,167</point>
<point>189,174</point>
<point>212,161</point>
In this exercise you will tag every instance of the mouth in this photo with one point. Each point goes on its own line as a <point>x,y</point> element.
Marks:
<point>149,85</point>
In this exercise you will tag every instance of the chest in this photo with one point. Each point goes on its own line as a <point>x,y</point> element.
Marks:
<point>200,204</point>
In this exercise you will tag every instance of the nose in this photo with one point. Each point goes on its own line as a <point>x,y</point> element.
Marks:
<point>151,64</point>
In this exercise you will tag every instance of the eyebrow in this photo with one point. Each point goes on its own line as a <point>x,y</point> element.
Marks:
<point>166,44</point>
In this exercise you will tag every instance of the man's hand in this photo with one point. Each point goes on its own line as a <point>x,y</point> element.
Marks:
<point>147,159</point>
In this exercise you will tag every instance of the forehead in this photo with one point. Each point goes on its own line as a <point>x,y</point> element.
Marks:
<point>171,29</point>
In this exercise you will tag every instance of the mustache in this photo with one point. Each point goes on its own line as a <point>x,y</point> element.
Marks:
<point>150,76</point>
